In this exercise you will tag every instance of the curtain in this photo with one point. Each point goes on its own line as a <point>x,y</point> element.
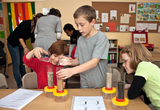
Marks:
<point>18,12</point>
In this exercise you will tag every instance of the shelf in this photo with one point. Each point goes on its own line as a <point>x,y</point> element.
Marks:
<point>113,53</point>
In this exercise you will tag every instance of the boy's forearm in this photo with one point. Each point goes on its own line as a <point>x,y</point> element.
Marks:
<point>86,66</point>
<point>29,55</point>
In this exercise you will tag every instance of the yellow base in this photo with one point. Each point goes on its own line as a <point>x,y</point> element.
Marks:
<point>108,91</point>
<point>115,102</point>
<point>60,94</point>
<point>50,90</point>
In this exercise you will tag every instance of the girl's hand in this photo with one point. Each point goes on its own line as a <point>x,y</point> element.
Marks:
<point>65,73</point>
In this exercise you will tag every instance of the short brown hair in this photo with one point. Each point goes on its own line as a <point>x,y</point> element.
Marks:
<point>137,52</point>
<point>86,11</point>
<point>59,47</point>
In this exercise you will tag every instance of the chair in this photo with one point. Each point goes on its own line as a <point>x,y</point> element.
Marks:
<point>3,81</point>
<point>116,77</point>
<point>3,65</point>
<point>29,81</point>
<point>73,82</point>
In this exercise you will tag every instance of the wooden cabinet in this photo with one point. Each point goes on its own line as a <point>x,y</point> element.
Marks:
<point>113,53</point>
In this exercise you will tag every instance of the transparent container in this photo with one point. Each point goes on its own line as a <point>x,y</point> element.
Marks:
<point>45,56</point>
<point>49,92</point>
<point>60,96</point>
<point>120,102</point>
<point>64,61</point>
<point>109,91</point>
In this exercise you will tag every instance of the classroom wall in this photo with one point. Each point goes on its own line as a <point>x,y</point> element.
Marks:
<point>68,7</point>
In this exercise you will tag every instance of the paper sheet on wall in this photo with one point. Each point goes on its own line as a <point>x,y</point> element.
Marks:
<point>139,26</point>
<point>19,98</point>
<point>104,17</point>
<point>87,103</point>
<point>111,27</point>
<point>131,8</point>
<point>145,27</point>
<point>131,29</point>
<point>1,27</point>
<point>124,18</point>
<point>122,27</point>
<point>152,26</point>
<point>97,14</point>
<point>159,28</point>
<point>113,14</point>
<point>1,13</point>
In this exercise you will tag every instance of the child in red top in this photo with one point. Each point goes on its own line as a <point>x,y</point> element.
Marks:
<point>57,49</point>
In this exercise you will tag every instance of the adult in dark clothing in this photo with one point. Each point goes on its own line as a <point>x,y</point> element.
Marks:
<point>17,47</point>
<point>2,54</point>
<point>73,34</point>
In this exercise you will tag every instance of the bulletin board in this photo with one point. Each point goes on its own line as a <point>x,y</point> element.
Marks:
<point>149,14</point>
<point>121,7</point>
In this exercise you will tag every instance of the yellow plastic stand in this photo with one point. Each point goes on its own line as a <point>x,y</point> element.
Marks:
<point>108,91</point>
<point>120,103</point>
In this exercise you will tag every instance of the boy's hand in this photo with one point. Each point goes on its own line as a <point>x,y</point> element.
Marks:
<point>64,73</point>
<point>63,60</point>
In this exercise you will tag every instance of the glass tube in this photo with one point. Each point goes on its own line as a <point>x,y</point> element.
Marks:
<point>109,75</point>
<point>120,93</point>
<point>50,75</point>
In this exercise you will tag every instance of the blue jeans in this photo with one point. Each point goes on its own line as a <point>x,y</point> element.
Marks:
<point>19,71</point>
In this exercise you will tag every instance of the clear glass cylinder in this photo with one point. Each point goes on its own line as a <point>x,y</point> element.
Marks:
<point>59,81</point>
<point>109,75</point>
<point>50,75</point>
<point>120,92</point>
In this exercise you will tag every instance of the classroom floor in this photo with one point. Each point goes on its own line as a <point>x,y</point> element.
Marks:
<point>12,84</point>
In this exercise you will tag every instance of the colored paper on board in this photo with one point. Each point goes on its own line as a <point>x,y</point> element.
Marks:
<point>1,20</point>
<point>2,34</point>
<point>111,27</point>
<point>0,6</point>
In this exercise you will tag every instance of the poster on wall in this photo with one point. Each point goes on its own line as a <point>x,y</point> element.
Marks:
<point>148,11</point>
<point>1,22</point>
<point>139,38</point>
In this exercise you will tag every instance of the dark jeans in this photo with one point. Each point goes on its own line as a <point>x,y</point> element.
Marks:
<point>19,71</point>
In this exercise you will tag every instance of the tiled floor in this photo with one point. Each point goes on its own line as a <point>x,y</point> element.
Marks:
<point>12,84</point>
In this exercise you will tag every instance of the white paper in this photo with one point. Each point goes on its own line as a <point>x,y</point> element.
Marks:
<point>122,27</point>
<point>124,18</point>
<point>87,103</point>
<point>145,27</point>
<point>98,26</point>
<point>104,17</point>
<point>152,26</point>
<point>19,98</point>
<point>139,26</point>
<point>1,27</point>
<point>113,14</point>
<point>132,29</point>
<point>159,28</point>
<point>1,13</point>
<point>45,10</point>
<point>131,8</point>
<point>97,14</point>
<point>139,38</point>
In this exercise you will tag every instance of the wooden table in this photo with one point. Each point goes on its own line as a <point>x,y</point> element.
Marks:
<point>44,103</point>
